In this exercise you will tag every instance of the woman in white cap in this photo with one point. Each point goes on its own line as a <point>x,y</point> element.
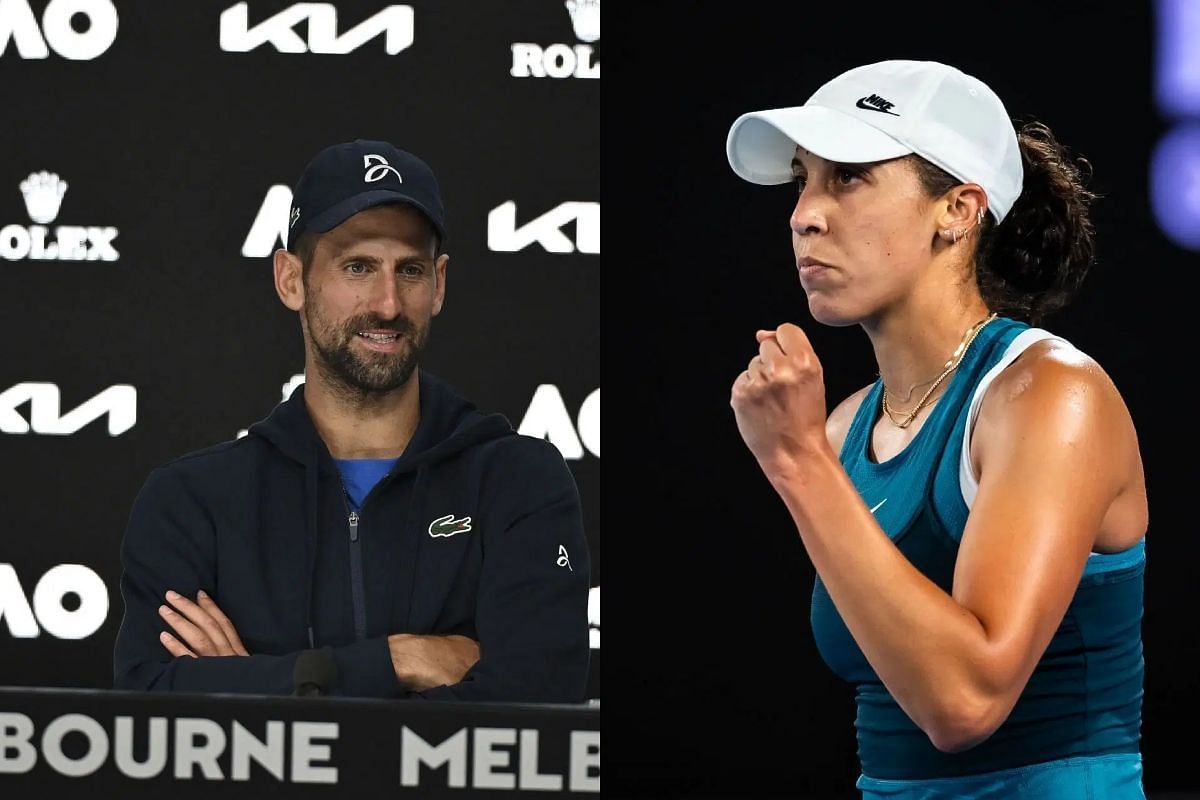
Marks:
<point>976,516</point>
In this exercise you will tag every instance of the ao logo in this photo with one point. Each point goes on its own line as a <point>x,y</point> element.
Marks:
<point>18,23</point>
<point>547,418</point>
<point>48,595</point>
<point>270,226</point>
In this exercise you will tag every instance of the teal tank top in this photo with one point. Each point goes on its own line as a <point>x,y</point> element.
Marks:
<point>1084,698</point>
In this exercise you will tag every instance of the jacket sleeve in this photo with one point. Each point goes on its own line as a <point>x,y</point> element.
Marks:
<point>170,544</point>
<point>531,614</point>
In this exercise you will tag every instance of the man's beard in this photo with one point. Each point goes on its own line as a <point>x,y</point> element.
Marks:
<point>361,372</point>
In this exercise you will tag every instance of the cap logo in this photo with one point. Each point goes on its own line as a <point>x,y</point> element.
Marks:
<point>876,103</point>
<point>377,167</point>
<point>295,216</point>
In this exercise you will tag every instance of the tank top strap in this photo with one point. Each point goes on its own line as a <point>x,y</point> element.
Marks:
<point>988,345</point>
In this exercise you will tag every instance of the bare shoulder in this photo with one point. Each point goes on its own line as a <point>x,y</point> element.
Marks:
<point>1055,392</point>
<point>1053,372</point>
<point>838,423</point>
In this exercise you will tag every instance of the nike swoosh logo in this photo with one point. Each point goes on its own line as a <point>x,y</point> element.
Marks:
<point>877,505</point>
<point>861,104</point>
<point>448,526</point>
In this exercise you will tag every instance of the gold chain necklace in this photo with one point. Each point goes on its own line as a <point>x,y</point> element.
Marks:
<point>951,365</point>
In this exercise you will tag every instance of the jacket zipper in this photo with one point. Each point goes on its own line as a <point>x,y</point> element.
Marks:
<point>356,579</point>
<point>357,590</point>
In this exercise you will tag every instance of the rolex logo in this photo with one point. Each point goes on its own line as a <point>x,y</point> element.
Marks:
<point>585,19</point>
<point>43,192</point>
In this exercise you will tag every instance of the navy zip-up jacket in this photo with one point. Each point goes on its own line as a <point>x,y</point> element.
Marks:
<point>263,526</point>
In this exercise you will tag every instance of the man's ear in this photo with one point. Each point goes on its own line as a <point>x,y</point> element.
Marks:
<point>439,272</point>
<point>289,279</point>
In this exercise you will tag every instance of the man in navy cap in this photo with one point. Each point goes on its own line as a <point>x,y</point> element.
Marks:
<point>376,535</point>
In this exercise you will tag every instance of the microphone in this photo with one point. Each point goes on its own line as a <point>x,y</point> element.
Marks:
<point>314,674</point>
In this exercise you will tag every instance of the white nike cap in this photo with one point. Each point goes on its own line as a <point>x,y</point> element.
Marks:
<point>887,110</point>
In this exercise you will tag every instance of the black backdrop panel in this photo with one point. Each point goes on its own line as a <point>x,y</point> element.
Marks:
<point>178,135</point>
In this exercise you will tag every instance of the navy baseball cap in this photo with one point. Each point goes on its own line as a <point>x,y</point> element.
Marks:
<point>344,179</point>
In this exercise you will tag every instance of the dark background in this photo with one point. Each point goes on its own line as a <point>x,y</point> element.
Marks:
<point>176,142</point>
<point>709,699</point>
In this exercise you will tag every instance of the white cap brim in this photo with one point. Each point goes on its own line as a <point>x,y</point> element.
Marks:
<point>761,144</point>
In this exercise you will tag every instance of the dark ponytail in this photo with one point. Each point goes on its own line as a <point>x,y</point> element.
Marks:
<point>1032,263</point>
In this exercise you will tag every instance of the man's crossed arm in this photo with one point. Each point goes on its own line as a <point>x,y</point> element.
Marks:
<point>420,662</point>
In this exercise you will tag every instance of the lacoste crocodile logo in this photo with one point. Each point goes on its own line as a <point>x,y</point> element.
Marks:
<point>448,526</point>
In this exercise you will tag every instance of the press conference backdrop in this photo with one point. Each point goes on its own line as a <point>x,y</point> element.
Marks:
<point>149,150</point>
